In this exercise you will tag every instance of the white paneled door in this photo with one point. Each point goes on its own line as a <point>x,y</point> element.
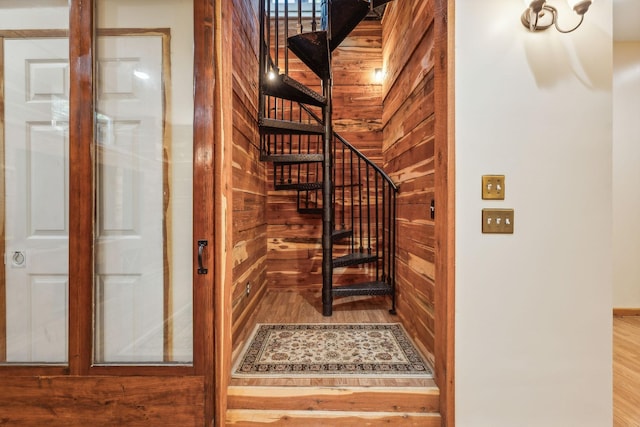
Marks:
<point>130,215</point>
<point>36,171</point>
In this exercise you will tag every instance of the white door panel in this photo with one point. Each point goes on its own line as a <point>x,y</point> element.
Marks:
<point>129,220</point>
<point>36,77</point>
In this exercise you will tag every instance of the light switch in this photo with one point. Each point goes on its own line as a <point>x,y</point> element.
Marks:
<point>493,187</point>
<point>497,221</point>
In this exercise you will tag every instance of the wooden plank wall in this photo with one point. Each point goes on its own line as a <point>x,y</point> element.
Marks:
<point>294,240</point>
<point>408,149</point>
<point>249,174</point>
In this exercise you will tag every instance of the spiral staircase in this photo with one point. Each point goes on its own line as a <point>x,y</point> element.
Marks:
<point>325,173</point>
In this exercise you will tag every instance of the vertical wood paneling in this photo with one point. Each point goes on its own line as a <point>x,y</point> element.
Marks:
<point>249,235</point>
<point>418,101</point>
<point>408,122</point>
<point>294,256</point>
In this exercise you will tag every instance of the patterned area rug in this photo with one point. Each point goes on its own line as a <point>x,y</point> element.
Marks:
<point>317,350</point>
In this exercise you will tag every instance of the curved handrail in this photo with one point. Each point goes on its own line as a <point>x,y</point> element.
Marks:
<point>356,151</point>
<point>368,161</point>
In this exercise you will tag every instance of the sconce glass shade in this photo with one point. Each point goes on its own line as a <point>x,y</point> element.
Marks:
<point>579,6</point>
<point>378,75</point>
<point>535,5</point>
<point>534,16</point>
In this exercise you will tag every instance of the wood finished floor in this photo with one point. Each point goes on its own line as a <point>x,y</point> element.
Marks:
<point>626,371</point>
<point>294,307</point>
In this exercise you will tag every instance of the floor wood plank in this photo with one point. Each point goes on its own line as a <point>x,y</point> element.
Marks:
<point>329,418</point>
<point>345,399</point>
<point>626,371</point>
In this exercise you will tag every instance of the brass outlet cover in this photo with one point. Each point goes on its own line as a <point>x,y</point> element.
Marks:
<point>497,221</point>
<point>493,187</point>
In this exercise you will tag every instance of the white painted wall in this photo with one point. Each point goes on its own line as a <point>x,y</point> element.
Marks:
<point>533,309</point>
<point>626,175</point>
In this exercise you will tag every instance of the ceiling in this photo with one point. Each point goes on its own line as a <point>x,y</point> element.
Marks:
<point>626,20</point>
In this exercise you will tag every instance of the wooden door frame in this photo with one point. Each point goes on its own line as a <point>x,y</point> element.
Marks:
<point>444,53</point>
<point>213,205</point>
<point>82,41</point>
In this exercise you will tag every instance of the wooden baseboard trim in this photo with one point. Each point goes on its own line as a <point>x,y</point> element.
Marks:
<point>626,311</point>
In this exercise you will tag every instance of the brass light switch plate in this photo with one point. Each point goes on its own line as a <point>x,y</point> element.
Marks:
<point>493,187</point>
<point>497,221</point>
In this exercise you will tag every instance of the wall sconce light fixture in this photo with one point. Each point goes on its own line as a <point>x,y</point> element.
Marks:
<point>539,15</point>
<point>378,75</point>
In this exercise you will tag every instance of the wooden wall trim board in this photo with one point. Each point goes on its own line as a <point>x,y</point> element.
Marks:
<point>445,207</point>
<point>626,311</point>
<point>167,217</point>
<point>223,206</point>
<point>207,136</point>
<point>81,197</point>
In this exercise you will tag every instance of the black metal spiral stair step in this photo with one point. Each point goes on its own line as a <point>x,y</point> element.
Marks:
<point>292,159</point>
<point>337,235</point>
<point>378,3</point>
<point>283,86</point>
<point>345,16</point>
<point>312,49</point>
<point>280,127</point>
<point>366,288</point>
<point>300,186</point>
<point>355,258</point>
<point>310,211</point>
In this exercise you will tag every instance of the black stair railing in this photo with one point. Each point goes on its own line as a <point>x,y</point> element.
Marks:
<point>280,19</point>
<point>365,205</point>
